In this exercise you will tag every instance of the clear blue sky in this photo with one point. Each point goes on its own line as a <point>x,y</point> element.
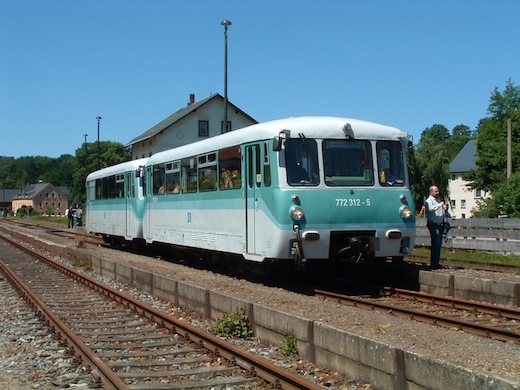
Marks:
<point>405,63</point>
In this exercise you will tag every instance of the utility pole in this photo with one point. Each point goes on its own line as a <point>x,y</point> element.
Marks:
<point>226,24</point>
<point>86,153</point>
<point>509,148</point>
<point>98,148</point>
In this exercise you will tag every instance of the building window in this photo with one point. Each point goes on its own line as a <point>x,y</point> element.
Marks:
<point>453,203</point>
<point>203,128</point>
<point>222,126</point>
<point>478,193</point>
<point>463,204</point>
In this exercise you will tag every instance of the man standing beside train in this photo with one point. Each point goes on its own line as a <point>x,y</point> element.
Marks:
<point>434,212</point>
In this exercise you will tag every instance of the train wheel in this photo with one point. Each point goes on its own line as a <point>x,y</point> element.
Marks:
<point>398,259</point>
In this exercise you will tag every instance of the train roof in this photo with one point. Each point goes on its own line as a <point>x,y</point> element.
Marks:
<point>117,169</point>
<point>310,126</point>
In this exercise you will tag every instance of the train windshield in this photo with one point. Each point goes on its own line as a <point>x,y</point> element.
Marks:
<point>348,163</point>
<point>301,158</point>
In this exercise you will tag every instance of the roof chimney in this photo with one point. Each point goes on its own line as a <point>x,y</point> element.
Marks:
<point>192,98</point>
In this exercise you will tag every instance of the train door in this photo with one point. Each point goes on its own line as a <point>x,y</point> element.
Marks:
<point>147,193</point>
<point>253,183</point>
<point>129,201</point>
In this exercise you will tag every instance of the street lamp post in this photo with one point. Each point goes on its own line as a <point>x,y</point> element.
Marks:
<point>86,156</point>
<point>98,150</point>
<point>226,24</point>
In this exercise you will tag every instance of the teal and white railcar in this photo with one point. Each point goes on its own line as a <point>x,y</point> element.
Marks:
<point>115,202</point>
<point>306,188</point>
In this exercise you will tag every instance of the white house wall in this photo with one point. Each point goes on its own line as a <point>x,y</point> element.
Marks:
<point>459,192</point>
<point>186,130</point>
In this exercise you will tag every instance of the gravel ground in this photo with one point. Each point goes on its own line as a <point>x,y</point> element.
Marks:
<point>460,349</point>
<point>31,357</point>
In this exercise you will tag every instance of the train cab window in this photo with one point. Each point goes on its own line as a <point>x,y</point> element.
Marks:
<point>301,159</point>
<point>348,163</point>
<point>230,168</point>
<point>207,168</point>
<point>173,177</point>
<point>189,174</point>
<point>390,163</point>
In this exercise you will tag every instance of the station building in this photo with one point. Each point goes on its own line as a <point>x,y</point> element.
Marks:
<point>198,121</point>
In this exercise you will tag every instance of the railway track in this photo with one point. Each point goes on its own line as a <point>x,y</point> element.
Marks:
<point>496,322</point>
<point>131,345</point>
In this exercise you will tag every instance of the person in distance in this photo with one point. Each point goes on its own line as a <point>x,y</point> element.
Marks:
<point>434,210</point>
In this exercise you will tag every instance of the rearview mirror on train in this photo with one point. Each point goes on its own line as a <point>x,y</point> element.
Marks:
<point>277,144</point>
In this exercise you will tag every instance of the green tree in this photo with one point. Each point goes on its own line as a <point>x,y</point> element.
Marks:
<point>67,170</point>
<point>433,155</point>
<point>86,162</point>
<point>461,130</point>
<point>505,200</point>
<point>491,166</point>
<point>432,160</point>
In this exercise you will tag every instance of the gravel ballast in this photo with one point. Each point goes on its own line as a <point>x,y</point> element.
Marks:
<point>454,347</point>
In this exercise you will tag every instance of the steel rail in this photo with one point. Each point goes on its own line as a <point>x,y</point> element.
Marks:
<point>451,323</point>
<point>108,377</point>
<point>251,363</point>
<point>455,303</point>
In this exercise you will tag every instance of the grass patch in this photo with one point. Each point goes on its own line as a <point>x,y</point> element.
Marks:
<point>468,256</point>
<point>289,346</point>
<point>235,324</point>
<point>82,261</point>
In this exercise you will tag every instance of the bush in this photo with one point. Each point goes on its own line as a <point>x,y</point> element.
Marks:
<point>235,324</point>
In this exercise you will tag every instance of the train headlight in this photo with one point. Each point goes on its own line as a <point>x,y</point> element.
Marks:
<point>405,212</point>
<point>296,213</point>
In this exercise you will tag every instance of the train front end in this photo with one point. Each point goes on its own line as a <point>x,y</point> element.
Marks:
<point>344,192</point>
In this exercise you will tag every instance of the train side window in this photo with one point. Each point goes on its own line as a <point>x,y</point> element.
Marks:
<point>91,190</point>
<point>112,190</point>
<point>130,185</point>
<point>120,186</point>
<point>173,177</point>
<point>207,172</point>
<point>230,170</point>
<point>189,174</point>
<point>267,165</point>
<point>105,188</point>
<point>158,179</point>
<point>99,189</point>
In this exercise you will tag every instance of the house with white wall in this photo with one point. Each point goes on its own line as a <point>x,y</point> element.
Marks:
<point>197,121</point>
<point>463,199</point>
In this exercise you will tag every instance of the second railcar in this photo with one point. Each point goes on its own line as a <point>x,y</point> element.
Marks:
<point>115,202</point>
